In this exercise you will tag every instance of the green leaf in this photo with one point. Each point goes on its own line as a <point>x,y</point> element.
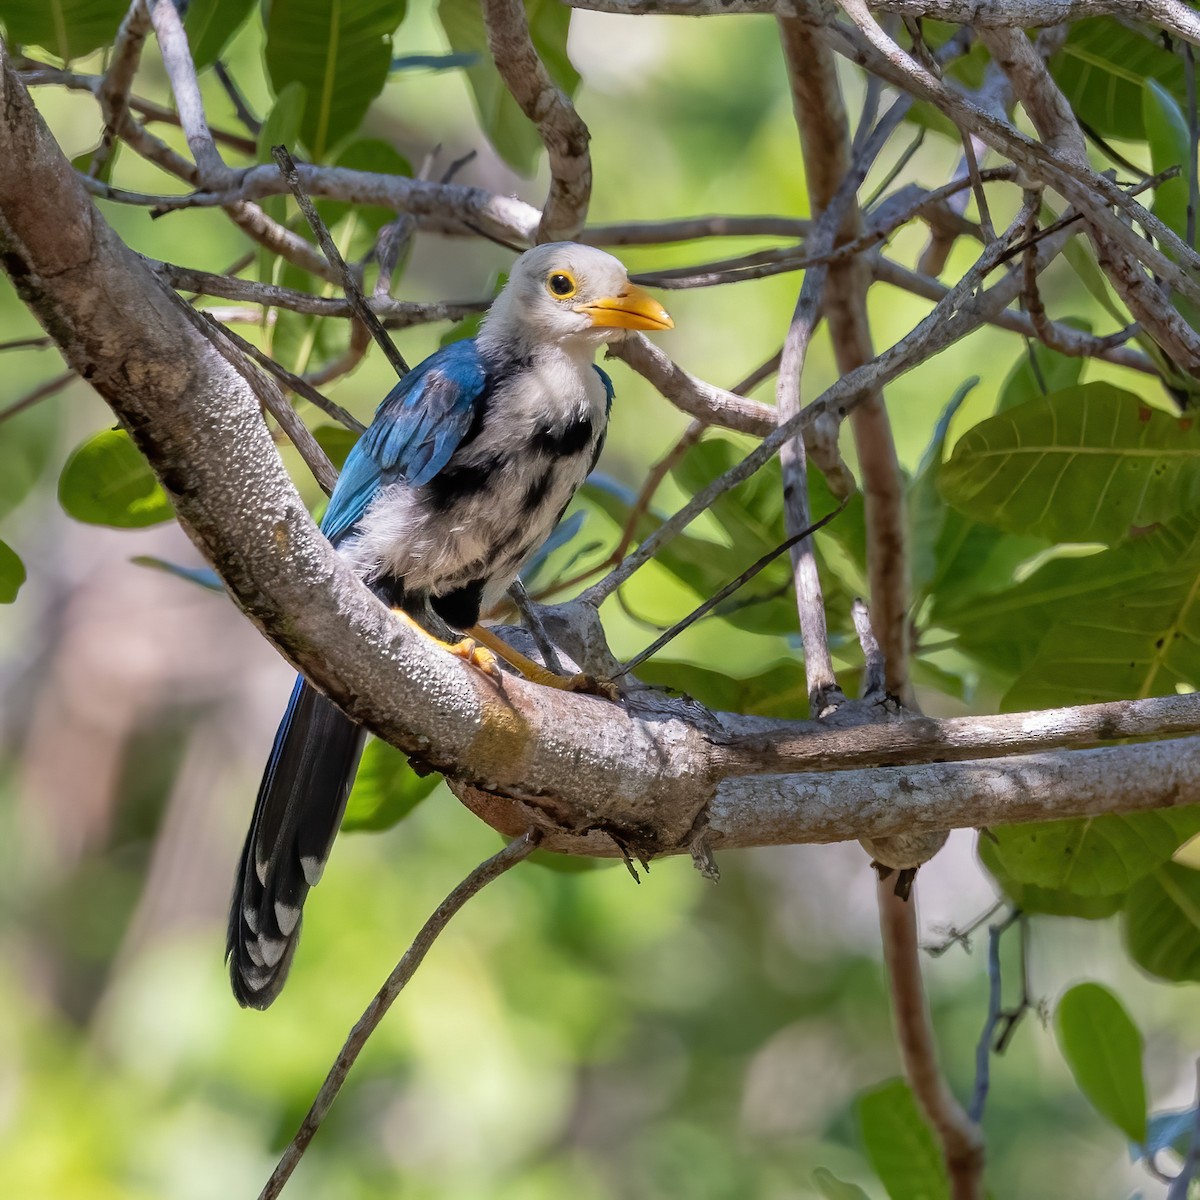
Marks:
<point>1101,68</point>
<point>26,445</point>
<point>12,573</point>
<point>1087,464</point>
<point>1162,923</point>
<point>340,51</point>
<point>1169,139</point>
<point>507,128</point>
<point>900,1145</point>
<point>1093,856</point>
<point>1126,621</point>
<point>337,441</point>
<point>1055,371</point>
<point>107,482</point>
<point>386,789</point>
<point>1055,902</point>
<point>779,691</point>
<point>1103,1048</point>
<point>210,26</point>
<point>833,1188</point>
<point>68,28</point>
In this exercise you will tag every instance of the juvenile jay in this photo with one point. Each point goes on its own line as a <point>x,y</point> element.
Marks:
<point>466,468</point>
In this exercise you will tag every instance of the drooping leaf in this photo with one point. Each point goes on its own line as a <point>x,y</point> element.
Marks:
<point>1103,1048</point>
<point>386,789</point>
<point>833,1188</point>
<point>1093,856</point>
<point>67,28</point>
<point>210,26</point>
<point>1087,464</point>
<point>340,51</point>
<point>1162,922</point>
<point>506,126</point>
<point>107,482</point>
<point>1144,587</point>
<point>1101,68</point>
<point>900,1145</point>
<point>1055,902</point>
<point>12,573</point>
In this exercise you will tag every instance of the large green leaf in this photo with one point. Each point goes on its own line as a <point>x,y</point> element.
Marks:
<point>340,51</point>
<point>1102,67</point>
<point>1055,902</point>
<point>1092,856</point>
<point>1162,922</point>
<point>1145,589</point>
<point>107,482</point>
<point>210,25</point>
<point>900,1145</point>
<point>386,789</point>
<point>1039,371</point>
<point>68,28</point>
<point>506,126</point>
<point>1087,464</point>
<point>12,573</point>
<point>1103,1048</point>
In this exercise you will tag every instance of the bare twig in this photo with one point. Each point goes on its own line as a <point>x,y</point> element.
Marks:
<point>51,387</point>
<point>562,132</point>
<point>874,670</point>
<point>236,98</point>
<point>998,1025</point>
<point>687,229</point>
<point>478,879</point>
<point>962,1143</point>
<point>114,89</point>
<point>350,285</point>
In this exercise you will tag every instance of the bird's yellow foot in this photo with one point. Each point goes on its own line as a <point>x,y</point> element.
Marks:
<point>478,656</point>
<point>536,673</point>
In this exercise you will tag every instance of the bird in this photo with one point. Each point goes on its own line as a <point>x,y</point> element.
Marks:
<point>465,469</point>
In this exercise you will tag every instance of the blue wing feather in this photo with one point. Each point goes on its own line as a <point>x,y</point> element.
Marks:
<point>416,429</point>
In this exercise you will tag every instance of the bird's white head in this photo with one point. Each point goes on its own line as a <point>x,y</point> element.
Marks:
<point>568,293</point>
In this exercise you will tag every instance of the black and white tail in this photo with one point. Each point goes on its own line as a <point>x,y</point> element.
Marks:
<point>296,817</point>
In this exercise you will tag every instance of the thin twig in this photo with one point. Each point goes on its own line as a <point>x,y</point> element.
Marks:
<point>724,593</point>
<point>962,1144</point>
<point>43,390</point>
<point>874,668</point>
<point>287,168</point>
<point>236,98</point>
<point>114,89</point>
<point>479,878</point>
<point>988,1043</point>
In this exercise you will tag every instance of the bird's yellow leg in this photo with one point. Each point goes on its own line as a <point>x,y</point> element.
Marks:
<point>535,672</point>
<point>477,655</point>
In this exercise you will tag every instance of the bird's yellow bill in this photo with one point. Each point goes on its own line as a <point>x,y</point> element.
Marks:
<point>632,309</point>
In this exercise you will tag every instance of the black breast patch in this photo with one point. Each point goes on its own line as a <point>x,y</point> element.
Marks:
<point>453,484</point>
<point>564,440</point>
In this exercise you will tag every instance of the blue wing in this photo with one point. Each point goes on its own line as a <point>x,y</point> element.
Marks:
<point>416,429</point>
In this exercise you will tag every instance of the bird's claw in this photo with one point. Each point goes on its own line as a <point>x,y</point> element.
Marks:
<point>478,656</point>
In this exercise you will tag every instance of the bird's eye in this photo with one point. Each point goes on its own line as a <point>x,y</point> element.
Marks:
<point>561,284</point>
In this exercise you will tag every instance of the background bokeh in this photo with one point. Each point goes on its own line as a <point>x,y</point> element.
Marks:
<point>573,1033</point>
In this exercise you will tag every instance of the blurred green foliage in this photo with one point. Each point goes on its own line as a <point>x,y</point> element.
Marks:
<point>573,1033</point>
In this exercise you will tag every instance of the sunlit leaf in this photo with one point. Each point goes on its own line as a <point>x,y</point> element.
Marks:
<point>1144,587</point>
<point>900,1145</point>
<point>12,573</point>
<point>1162,923</point>
<point>386,789</point>
<point>210,26</point>
<point>108,482</point>
<point>1093,856</point>
<point>1056,902</point>
<point>340,51</point>
<point>507,128</point>
<point>68,28</point>
<point>1101,68</point>
<point>1103,1048</point>
<point>1087,464</point>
